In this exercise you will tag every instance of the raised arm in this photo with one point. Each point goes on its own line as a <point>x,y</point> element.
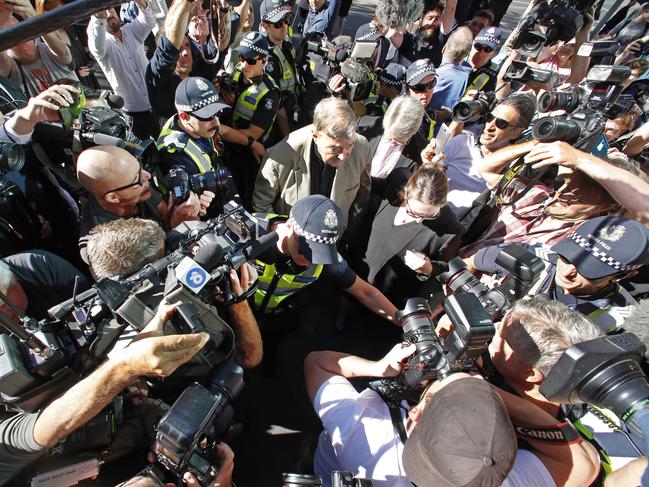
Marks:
<point>492,166</point>
<point>373,299</point>
<point>97,35</point>
<point>447,20</point>
<point>176,21</point>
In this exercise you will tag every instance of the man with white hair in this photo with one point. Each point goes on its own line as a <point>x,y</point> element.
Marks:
<point>327,157</point>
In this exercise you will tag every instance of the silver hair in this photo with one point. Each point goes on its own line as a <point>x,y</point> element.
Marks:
<point>335,117</point>
<point>638,323</point>
<point>459,45</point>
<point>122,247</point>
<point>7,277</point>
<point>552,328</point>
<point>403,118</point>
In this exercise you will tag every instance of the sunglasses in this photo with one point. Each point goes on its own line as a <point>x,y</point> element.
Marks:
<point>205,119</point>
<point>249,61</point>
<point>483,48</point>
<point>422,87</point>
<point>138,182</point>
<point>280,22</point>
<point>500,123</point>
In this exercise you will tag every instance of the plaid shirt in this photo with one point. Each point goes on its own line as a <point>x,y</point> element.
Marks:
<point>524,221</point>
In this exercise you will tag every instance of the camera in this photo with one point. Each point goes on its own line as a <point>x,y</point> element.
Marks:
<point>473,329</point>
<point>189,432</point>
<point>338,479</point>
<point>219,182</point>
<point>561,19</point>
<point>605,372</point>
<point>521,72</point>
<point>586,105</point>
<point>226,82</point>
<point>474,110</point>
<point>523,267</point>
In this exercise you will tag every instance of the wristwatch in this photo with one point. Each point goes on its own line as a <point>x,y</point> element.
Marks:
<point>250,141</point>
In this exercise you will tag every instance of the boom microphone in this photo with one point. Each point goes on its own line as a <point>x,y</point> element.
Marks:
<point>395,15</point>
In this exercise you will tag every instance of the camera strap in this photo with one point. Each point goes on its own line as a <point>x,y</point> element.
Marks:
<point>397,420</point>
<point>561,433</point>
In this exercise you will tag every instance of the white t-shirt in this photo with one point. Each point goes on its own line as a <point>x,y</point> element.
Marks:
<point>464,181</point>
<point>359,437</point>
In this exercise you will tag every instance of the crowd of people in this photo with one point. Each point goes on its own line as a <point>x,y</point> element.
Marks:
<point>374,163</point>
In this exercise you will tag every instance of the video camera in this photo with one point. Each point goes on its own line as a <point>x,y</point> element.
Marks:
<point>560,19</point>
<point>523,267</point>
<point>605,372</point>
<point>586,104</point>
<point>43,359</point>
<point>349,60</point>
<point>187,435</point>
<point>338,479</point>
<point>434,359</point>
<point>520,71</point>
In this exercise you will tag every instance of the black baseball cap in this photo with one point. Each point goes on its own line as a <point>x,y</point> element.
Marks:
<point>253,44</point>
<point>490,36</point>
<point>274,10</point>
<point>199,97</point>
<point>394,75</point>
<point>418,70</point>
<point>367,33</point>
<point>605,246</point>
<point>318,223</point>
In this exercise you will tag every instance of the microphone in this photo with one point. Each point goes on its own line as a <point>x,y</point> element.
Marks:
<point>209,256</point>
<point>257,247</point>
<point>103,139</point>
<point>115,101</point>
<point>341,55</point>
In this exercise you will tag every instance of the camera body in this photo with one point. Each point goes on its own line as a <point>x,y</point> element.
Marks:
<point>189,432</point>
<point>218,181</point>
<point>338,479</point>
<point>522,72</point>
<point>226,82</point>
<point>587,105</point>
<point>474,110</point>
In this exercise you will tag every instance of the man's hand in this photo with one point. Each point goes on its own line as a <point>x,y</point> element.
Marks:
<point>187,210</point>
<point>205,199</point>
<point>155,327</point>
<point>103,15</point>
<point>226,468</point>
<point>392,364</point>
<point>23,8</point>
<point>337,83</point>
<point>240,285</point>
<point>45,106</point>
<point>546,154</point>
<point>258,151</point>
<point>429,156</point>
<point>160,356</point>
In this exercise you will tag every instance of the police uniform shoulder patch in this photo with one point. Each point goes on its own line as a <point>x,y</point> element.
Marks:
<point>269,104</point>
<point>270,67</point>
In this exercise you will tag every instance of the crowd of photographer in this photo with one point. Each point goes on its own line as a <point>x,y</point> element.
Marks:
<point>485,193</point>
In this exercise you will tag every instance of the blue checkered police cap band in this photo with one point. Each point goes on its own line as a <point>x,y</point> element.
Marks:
<point>391,78</point>
<point>490,36</point>
<point>199,105</point>
<point>371,34</point>
<point>311,237</point>
<point>424,70</point>
<point>252,45</point>
<point>277,10</point>
<point>598,253</point>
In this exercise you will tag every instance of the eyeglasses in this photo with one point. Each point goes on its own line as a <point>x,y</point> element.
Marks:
<point>483,48</point>
<point>417,215</point>
<point>138,182</point>
<point>500,123</point>
<point>249,61</point>
<point>423,87</point>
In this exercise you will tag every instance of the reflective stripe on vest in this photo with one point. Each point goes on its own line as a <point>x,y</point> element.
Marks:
<point>288,82</point>
<point>283,285</point>
<point>478,83</point>
<point>169,140</point>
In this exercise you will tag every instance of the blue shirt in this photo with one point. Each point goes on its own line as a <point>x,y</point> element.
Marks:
<point>451,85</point>
<point>323,20</point>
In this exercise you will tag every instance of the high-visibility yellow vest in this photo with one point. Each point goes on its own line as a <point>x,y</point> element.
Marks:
<point>274,287</point>
<point>249,99</point>
<point>172,140</point>
<point>288,81</point>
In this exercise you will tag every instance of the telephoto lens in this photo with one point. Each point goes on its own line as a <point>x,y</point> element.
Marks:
<point>12,157</point>
<point>559,100</point>
<point>549,129</point>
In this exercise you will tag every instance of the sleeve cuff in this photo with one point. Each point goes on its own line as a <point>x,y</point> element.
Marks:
<point>12,136</point>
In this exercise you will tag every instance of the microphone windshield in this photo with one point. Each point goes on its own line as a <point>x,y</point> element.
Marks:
<point>209,256</point>
<point>261,245</point>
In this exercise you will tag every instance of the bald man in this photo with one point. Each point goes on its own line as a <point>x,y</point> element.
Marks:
<point>120,188</point>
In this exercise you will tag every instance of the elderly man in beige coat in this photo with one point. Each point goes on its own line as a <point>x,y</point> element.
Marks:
<point>327,157</point>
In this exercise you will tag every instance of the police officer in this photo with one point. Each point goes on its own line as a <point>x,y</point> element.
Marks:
<point>306,250</point>
<point>275,18</point>
<point>420,82</point>
<point>389,85</point>
<point>187,139</point>
<point>255,103</point>
<point>484,71</point>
